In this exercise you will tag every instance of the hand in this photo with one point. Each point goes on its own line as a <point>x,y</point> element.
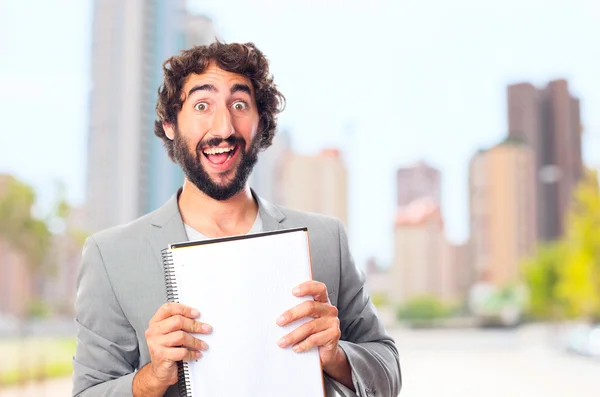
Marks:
<point>169,341</point>
<point>323,331</point>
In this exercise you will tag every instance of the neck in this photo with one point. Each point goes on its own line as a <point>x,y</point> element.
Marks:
<point>214,218</point>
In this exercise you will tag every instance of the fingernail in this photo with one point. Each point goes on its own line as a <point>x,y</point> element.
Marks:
<point>204,345</point>
<point>296,291</point>
<point>206,328</point>
<point>195,313</point>
<point>281,320</point>
<point>281,342</point>
<point>296,348</point>
<point>198,354</point>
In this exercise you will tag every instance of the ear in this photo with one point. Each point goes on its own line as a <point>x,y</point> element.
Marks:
<point>169,130</point>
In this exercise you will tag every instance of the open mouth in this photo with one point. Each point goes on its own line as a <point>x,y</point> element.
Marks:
<point>220,155</point>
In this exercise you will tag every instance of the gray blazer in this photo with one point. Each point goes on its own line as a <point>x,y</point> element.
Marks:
<point>121,285</point>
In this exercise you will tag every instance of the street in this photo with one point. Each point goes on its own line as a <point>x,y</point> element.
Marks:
<point>463,363</point>
<point>469,363</point>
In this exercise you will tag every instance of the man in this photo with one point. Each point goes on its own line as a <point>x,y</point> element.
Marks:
<point>216,109</point>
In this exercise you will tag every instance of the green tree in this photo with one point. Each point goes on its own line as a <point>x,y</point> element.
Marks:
<point>563,277</point>
<point>379,299</point>
<point>541,273</point>
<point>22,231</point>
<point>579,278</point>
<point>422,308</point>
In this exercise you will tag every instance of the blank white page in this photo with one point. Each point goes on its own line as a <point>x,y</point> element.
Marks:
<point>240,287</point>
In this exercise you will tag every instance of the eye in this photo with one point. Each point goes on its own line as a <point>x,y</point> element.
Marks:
<point>201,106</point>
<point>239,105</point>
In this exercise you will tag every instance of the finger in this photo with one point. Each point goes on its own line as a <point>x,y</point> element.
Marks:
<point>307,309</point>
<point>176,323</point>
<point>181,353</point>
<point>328,337</point>
<point>304,331</point>
<point>183,339</point>
<point>172,309</point>
<point>312,288</point>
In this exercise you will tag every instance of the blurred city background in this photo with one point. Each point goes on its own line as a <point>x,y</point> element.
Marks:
<point>459,142</point>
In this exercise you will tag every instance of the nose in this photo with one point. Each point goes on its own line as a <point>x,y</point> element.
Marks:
<point>222,127</point>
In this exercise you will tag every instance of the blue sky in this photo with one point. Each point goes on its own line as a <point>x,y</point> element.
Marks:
<point>414,80</point>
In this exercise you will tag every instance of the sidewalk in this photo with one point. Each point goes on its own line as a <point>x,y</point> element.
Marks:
<point>52,388</point>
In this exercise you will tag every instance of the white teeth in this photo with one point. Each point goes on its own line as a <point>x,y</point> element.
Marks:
<point>218,150</point>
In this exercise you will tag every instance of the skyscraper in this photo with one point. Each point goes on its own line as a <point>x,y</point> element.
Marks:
<point>459,272</point>
<point>163,177</point>
<point>421,252</point>
<point>316,183</point>
<point>549,121</point>
<point>416,182</point>
<point>128,171</point>
<point>502,210</point>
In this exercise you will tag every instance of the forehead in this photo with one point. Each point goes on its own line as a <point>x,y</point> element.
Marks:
<point>219,78</point>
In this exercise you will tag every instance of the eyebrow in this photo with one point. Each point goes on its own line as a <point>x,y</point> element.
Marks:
<point>241,88</point>
<point>203,87</point>
<point>209,87</point>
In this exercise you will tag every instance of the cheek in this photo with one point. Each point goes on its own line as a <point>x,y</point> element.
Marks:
<point>185,145</point>
<point>193,132</point>
<point>197,129</point>
<point>192,145</point>
<point>246,127</point>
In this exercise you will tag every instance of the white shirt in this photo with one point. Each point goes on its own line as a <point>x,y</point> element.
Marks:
<point>194,235</point>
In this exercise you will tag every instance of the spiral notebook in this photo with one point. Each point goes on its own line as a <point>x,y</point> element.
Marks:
<point>241,285</point>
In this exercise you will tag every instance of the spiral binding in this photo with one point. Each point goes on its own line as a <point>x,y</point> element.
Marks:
<point>183,384</point>
<point>183,370</point>
<point>169,267</point>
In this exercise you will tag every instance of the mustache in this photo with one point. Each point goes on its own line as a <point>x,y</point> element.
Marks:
<point>212,142</point>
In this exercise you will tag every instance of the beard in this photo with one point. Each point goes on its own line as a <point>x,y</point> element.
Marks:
<point>196,173</point>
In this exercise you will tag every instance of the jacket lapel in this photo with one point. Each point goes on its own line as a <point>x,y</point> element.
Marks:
<point>166,227</point>
<point>272,218</point>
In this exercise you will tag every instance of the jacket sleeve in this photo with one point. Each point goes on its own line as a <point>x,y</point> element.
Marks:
<point>371,352</point>
<point>107,353</point>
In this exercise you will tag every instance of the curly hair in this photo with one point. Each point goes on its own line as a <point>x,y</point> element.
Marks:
<point>244,59</point>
